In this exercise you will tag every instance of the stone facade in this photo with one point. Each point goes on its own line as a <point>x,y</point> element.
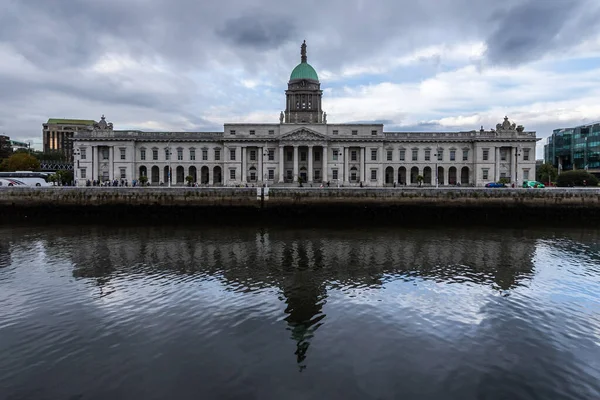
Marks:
<point>314,152</point>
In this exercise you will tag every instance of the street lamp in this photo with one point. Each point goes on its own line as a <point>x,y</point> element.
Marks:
<point>436,155</point>
<point>265,172</point>
<point>168,149</point>
<point>585,164</point>
<point>517,165</point>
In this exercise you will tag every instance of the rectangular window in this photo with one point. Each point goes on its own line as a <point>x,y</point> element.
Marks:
<point>502,174</point>
<point>525,174</point>
<point>217,155</point>
<point>204,155</point>
<point>232,132</point>
<point>373,174</point>
<point>271,155</point>
<point>317,156</point>
<point>525,154</point>
<point>355,132</point>
<point>452,155</point>
<point>180,154</point>
<point>290,175</point>
<point>290,156</point>
<point>143,155</point>
<point>334,174</point>
<point>353,155</point>
<point>317,174</point>
<point>465,155</point>
<point>154,154</point>
<point>122,154</point>
<point>167,154</point>
<point>484,174</point>
<point>271,174</point>
<point>502,155</point>
<point>271,131</point>
<point>415,155</point>
<point>335,131</point>
<point>486,154</point>
<point>440,155</point>
<point>302,156</point>
<point>82,173</point>
<point>373,155</point>
<point>123,174</point>
<point>83,154</point>
<point>373,133</point>
<point>335,155</point>
<point>232,174</point>
<point>252,132</point>
<point>232,155</point>
<point>193,155</point>
<point>427,155</point>
<point>353,176</point>
<point>389,155</point>
<point>402,155</point>
<point>105,154</point>
<point>252,155</point>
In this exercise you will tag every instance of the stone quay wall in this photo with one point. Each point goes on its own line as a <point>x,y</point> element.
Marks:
<point>556,203</point>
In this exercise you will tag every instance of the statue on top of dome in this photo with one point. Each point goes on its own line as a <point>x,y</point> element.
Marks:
<point>303,52</point>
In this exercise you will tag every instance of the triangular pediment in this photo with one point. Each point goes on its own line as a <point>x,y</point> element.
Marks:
<point>304,134</point>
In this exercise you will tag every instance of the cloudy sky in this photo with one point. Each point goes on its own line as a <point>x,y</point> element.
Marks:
<point>192,65</point>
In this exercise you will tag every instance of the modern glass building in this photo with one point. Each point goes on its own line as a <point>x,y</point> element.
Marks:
<point>574,148</point>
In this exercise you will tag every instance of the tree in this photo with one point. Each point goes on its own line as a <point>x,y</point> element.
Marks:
<point>189,179</point>
<point>143,180</point>
<point>5,149</point>
<point>576,178</point>
<point>546,173</point>
<point>420,179</point>
<point>20,162</point>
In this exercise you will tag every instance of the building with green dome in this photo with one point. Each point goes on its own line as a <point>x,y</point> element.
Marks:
<point>304,147</point>
<point>304,94</point>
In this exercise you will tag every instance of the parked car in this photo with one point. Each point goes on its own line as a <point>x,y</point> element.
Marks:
<point>533,184</point>
<point>495,185</point>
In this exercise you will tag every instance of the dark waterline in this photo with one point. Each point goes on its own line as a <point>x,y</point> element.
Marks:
<point>196,311</point>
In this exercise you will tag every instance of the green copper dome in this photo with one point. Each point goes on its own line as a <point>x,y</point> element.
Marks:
<point>304,71</point>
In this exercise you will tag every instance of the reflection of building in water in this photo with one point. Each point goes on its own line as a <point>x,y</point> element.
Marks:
<point>303,263</point>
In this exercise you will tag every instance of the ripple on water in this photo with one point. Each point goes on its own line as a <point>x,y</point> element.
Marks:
<point>381,313</point>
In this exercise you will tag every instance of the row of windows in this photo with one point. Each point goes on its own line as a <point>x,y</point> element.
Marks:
<point>272,132</point>
<point>439,154</point>
<point>485,174</point>
<point>252,132</point>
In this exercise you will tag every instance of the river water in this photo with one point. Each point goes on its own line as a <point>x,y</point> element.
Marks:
<point>104,312</point>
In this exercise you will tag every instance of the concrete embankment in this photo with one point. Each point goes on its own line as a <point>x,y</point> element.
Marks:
<point>461,205</point>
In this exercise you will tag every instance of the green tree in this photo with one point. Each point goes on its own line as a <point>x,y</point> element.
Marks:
<point>189,179</point>
<point>143,180</point>
<point>420,179</point>
<point>576,178</point>
<point>546,173</point>
<point>5,149</point>
<point>20,162</point>
<point>64,177</point>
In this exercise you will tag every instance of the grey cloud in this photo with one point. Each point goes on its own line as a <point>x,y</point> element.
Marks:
<point>63,38</point>
<point>258,30</point>
<point>532,28</point>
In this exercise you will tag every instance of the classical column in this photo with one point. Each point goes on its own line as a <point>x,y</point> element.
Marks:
<point>381,158</point>
<point>111,163</point>
<point>310,164</point>
<point>244,160</point>
<point>513,164</point>
<point>260,177</point>
<point>346,172</point>
<point>497,168</point>
<point>281,164</point>
<point>362,165</point>
<point>325,174</point>
<point>295,163</point>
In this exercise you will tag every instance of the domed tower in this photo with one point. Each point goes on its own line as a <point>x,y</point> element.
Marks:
<point>303,97</point>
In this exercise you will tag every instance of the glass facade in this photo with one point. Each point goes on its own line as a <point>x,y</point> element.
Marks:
<point>574,148</point>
